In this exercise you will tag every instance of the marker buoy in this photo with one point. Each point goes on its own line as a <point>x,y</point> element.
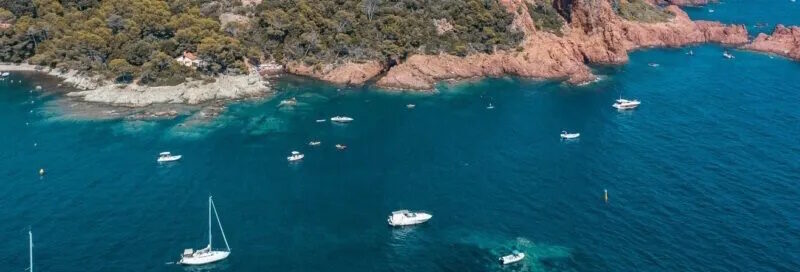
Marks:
<point>605,195</point>
<point>41,171</point>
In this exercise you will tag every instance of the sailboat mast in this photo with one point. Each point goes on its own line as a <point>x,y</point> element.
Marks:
<point>220,228</point>
<point>30,249</point>
<point>209,221</point>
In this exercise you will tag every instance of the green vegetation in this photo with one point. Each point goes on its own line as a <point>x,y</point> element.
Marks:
<point>639,10</point>
<point>327,30</point>
<point>120,39</point>
<point>138,40</point>
<point>545,16</point>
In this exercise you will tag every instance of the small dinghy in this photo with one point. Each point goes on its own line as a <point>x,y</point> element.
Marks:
<point>490,106</point>
<point>168,157</point>
<point>296,156</point>
<point>690,53</point>
<point>341,146</point>
<point>314,143</point>
<point>320,120</point>
<point>5,74</point>
<point>515,256</point>
<point>654,65</point>
<point>207,255</point>
<point>727,55</point>
<point>411,106</point>
<point>341,119</point>
<point>624,104</point>
<point>566,135</point>
<point>407,218</point>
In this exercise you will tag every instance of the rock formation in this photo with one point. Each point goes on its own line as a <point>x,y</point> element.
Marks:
<point>784,41</point>
<point>594,34</point>
<point>347,73</point>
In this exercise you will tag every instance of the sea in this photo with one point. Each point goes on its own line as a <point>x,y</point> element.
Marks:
<point>704,176</point>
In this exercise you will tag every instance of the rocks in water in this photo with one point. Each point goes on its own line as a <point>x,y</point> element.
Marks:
<point>193,93</point>
<point>603,38</point>
<point>784,41</point>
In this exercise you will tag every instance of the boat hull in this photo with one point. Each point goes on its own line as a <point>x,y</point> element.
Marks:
<point>170,158</point>
<point>419,219</point>
<point>510,259</point>
<point>625,107</point>
<point>207,258</point>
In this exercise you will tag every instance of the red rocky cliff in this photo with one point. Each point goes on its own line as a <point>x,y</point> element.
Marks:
<point>594,34</point>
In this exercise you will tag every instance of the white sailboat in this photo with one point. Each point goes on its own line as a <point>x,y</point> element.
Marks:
<point>30,250</point>
<point>207,255</point>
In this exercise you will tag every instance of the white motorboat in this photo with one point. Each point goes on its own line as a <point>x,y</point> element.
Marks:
<point>296,156</point>
<point>514,257</point>
<point>207,255</point>
<point>320,120</point>
<point>407,218</point>
<point>624,104</point>
<point>314,143</point>
<point>341,146</point>
<point>168,157</point>
<point>5,74</point>
<point>654,65</point>
<point>727,55</point>
<point>566,135</point>
<point>490,106</point>
<point>341,119</point>
<point>411,106</point>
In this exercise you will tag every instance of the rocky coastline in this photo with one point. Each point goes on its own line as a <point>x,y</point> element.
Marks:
<point>196,92</point>
<point>594,34</point>
<point>784,41</point>
<point>603,38</point>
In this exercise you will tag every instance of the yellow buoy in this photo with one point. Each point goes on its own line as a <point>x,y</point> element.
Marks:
<point>41,171</point>
<point>605,194</point>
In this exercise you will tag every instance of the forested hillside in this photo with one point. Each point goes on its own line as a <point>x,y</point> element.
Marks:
<point>139,39</point>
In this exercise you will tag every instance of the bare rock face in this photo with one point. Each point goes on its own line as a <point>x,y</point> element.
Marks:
<point>595,34</point>
<point>784,41</point>
<point>347,73</point>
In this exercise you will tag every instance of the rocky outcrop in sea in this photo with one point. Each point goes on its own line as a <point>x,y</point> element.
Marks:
<point>784,41</point>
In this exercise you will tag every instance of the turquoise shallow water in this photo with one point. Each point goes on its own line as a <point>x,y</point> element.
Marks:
<point>702,177</point>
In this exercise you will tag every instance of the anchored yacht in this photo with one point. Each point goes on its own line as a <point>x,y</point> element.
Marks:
<point>624,104</point>
<point>168,157</point>
<point>296,156</point>
<point>566,135</point>
<point>208,254</point>
<point>341,119</point>
<point>515,256</point>
<point>407,218</point>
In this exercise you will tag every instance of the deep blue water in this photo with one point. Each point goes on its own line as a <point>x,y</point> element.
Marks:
<point>703,177</point>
